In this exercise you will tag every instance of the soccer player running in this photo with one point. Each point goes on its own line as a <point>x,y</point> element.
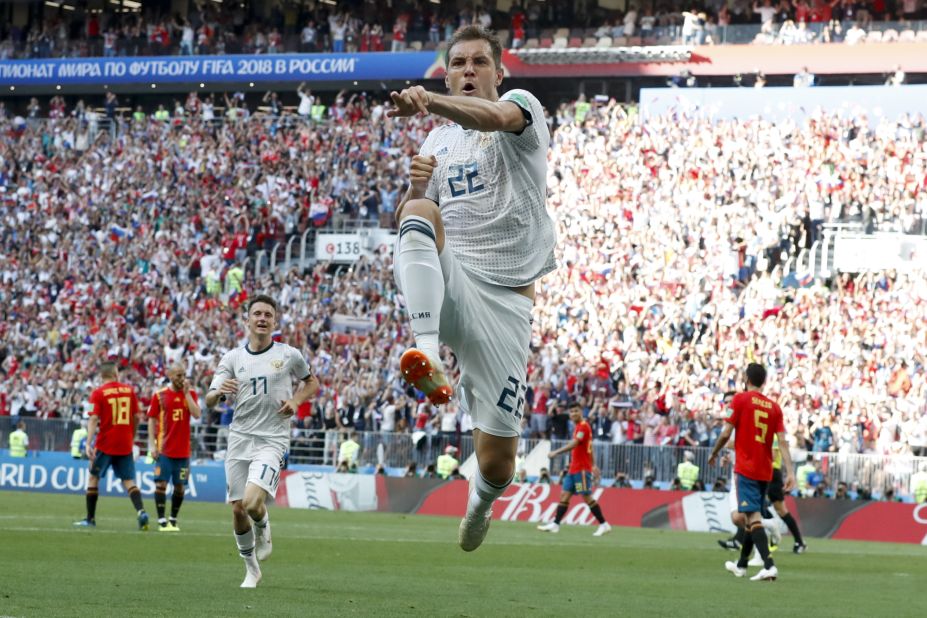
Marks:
<point>169,422</point>
<point>474,236</point>
<point>115,408</point>
<point>757,420</point>
<point>580,477</point>
<point>258,377</point>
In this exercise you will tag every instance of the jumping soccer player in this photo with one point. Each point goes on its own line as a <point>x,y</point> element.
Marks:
<point>474,237</point>
<point>753,415</point>
<point>169,422</point>
<point>115,408</point>
<point>579,478</point>
<point>258,377</point>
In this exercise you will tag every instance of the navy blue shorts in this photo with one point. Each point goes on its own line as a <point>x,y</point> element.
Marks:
<point>750,494</point>
<point>578,483</point>
<point>123,466</point>
<point>173,469</point>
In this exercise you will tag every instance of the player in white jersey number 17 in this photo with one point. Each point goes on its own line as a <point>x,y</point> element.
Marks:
<point>474,236</point>
<point>257,379</point>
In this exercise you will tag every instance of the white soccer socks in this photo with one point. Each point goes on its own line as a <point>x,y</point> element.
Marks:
<point>483,494</point>
<point>475,524</point>
<point>262,542</point>
<point>245,542</point>
<point>422,281</point>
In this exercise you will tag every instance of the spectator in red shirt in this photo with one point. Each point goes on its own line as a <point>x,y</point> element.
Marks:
<point>399,34</point>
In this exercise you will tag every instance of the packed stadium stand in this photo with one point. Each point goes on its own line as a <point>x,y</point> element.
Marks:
<point>135,232</point>
<point>646,324</point>
<point>74,29</point>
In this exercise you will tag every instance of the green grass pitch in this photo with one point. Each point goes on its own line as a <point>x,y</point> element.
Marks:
<point>353,564</point>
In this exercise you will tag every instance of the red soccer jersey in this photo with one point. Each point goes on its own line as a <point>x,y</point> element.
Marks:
<point>756,420</point>
<point>170,408</point>
<point>116,405</point>
<point>581,459</point>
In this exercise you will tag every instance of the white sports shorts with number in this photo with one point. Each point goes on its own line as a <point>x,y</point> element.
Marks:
<point>252,459</point>
<point>489,328</point>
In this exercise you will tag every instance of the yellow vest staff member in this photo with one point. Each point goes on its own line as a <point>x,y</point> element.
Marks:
<point>919,485</point>
<point>687,471</point>
<point>347,452</point>
<point>802,474</point>
<point>19,441</point>
<point>447,463</point>
<point>77,449</point>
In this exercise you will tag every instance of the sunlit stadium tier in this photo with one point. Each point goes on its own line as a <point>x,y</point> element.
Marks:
<point>605,55</point>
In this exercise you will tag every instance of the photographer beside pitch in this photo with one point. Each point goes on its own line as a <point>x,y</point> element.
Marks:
<point>258,376</point>
<point>753,415</point>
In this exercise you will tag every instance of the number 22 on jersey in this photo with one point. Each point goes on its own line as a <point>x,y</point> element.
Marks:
<point>464,179</point>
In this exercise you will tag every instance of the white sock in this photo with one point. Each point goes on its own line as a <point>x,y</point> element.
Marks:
<point>245,543</point>
<point>422,281</point>
<point>483,495</point>
<point>263,521</point>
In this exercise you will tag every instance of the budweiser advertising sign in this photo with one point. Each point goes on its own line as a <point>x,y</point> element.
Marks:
<point>703,512</point>
<point>537,503</point>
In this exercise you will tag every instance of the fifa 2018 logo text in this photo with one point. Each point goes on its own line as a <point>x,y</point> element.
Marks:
<point>527,504</point>
<point>420,315</point>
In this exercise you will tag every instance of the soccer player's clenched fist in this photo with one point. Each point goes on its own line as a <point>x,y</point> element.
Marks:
<point>420,173</point>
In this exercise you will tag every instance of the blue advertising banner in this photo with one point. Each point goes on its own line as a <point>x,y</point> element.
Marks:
<point>240,68</point>
<point>59,473</point>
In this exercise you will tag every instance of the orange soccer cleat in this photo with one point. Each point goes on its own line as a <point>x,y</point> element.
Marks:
<point>425,375</point>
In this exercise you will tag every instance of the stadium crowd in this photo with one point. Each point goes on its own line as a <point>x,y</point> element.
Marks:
<point>127,243</point>
<point>365,25</point>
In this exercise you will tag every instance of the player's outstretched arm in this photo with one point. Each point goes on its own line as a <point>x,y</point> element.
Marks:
<point>722,440</point>
<point>468,112</point>
<point>563,449</point>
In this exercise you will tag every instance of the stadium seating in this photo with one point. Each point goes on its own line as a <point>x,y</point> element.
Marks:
<point>213,33</point>
<point>640,322</point>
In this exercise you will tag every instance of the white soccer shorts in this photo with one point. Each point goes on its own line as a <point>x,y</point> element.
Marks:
<point>255,460</point>
<point>489,328</point>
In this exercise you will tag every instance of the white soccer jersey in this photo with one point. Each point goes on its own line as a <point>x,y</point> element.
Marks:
<point>492,191</point>
<point>265,381</point>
